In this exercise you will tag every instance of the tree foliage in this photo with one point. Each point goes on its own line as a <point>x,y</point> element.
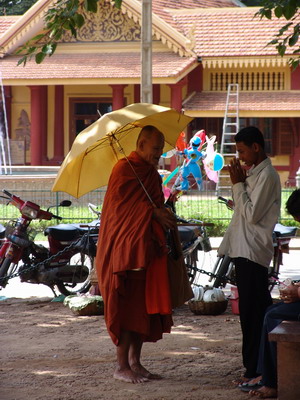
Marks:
<point>15,7</point>
<point>250,3</point>
<point>64,16</point>
<point>288,35</point>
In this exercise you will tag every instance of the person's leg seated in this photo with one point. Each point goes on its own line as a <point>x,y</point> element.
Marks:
<point>268,353</point>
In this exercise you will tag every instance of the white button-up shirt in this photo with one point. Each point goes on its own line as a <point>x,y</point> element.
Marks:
<point>256,211</point>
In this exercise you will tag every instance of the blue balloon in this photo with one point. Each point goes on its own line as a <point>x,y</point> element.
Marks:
<point>218,162</point>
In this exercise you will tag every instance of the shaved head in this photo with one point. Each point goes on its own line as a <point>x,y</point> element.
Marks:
<point>150,144</point>
<point>147,133</point>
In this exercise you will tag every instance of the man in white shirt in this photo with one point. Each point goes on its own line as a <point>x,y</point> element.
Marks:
<point>248,239</point>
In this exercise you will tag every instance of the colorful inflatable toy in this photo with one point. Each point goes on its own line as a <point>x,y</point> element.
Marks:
<point>190,165</point>
<point>213,161</point>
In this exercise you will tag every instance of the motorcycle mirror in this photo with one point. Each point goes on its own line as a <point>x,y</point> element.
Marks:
<point>65,203</point>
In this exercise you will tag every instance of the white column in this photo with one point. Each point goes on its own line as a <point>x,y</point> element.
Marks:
<point>146,52</point>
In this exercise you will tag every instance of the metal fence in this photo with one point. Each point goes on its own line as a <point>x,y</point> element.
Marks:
<point>201,205</point>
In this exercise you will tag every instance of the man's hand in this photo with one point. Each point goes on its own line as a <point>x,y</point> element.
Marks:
<point>165,217</point>
<point>237,173</point>
<point>290,294</point>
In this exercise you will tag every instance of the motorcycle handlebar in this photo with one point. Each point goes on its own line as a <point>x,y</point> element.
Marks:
<point>57,217</point>
<point>15,199</point>
<point>7,193</point>
<point>21,204</point>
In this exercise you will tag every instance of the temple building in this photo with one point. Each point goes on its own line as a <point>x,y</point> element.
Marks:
<point>198,49</point>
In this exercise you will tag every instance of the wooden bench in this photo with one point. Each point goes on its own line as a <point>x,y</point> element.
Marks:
<point>287,336</point>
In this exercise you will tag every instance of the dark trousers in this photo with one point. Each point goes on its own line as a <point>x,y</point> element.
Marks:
<point>254,299</point>
<point>267,362</point>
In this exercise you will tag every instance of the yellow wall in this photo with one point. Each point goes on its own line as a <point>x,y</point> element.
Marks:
<point>282,70</point>
<point>283,160</point>
<point>91,91</point>
<point>20,101</point>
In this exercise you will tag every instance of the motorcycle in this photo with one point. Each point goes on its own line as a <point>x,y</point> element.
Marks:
<point>193,238</point>
<point>223,271</point>
<point>65,264</point>
<point>2,233</point>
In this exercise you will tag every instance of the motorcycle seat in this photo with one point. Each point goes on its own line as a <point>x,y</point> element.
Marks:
<point>63,232</point>
<point>285,231</point>
<point>187,233</point>
<point>92,227</point>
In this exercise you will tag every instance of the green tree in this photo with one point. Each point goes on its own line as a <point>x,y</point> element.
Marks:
<point>65,15</point>
<point>15,7</point>
<point>250,3</point>
<point>288,35</point>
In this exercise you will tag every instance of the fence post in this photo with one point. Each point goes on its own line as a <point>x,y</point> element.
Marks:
<point>57,202</point>
<point>298,178</point>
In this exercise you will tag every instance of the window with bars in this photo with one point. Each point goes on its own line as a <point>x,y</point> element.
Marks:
<point>85,111</point>
<point>248,81</point>
<point>266,126</point>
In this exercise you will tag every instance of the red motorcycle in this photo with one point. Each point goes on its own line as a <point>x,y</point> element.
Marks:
<point>65,264</point>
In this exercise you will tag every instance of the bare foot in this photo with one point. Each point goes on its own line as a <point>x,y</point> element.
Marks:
<point>140,370</point>
<point>127,375</point>
<point>264,392</point>
<point>254,381</point>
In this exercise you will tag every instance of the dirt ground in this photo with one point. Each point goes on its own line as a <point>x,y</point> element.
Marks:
<point>48,353</point>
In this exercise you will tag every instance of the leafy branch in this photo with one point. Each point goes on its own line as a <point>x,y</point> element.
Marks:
<point>65,16</point>
<point>288,35</point>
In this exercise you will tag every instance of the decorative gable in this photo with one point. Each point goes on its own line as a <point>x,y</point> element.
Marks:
<point>107,25</point>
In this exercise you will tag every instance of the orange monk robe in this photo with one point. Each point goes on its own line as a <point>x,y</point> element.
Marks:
<point>130,239</point>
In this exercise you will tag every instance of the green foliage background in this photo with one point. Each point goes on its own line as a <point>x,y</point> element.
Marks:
<point>15,7</point>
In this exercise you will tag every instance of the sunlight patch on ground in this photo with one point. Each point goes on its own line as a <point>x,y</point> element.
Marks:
<point>53,373</point>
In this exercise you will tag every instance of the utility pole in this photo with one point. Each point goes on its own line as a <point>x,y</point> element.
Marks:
<point>146,52</point>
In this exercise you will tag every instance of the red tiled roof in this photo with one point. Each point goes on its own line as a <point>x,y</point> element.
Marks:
<point>91,66</point>
<point>158,7</point>
<point>255,101</point>
<point>162,7</point>
<point>229,32</point>
<point>181,4</point>
<point>6,22</point>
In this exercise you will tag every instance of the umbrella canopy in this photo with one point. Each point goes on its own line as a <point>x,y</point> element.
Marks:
<point>97,148</point>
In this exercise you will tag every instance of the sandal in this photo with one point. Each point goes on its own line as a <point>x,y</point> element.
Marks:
<point>241,380</point>
<point>264,392</point>
<point>251,385</point>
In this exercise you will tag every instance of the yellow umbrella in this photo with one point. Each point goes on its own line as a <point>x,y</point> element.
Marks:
<point>97,148</point>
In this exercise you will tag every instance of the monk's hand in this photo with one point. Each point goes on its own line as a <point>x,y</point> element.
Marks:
<point>165,217</point>
<point>290,294</point>
<point>236,171</point>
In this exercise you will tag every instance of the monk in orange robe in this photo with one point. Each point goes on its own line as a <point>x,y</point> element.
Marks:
<point>131,258</point>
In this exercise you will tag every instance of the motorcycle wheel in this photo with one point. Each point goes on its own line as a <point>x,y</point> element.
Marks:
<point>194,261</point>
<point>3,270</point>
<point>79,259</point>
<point>221,268</point>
